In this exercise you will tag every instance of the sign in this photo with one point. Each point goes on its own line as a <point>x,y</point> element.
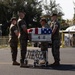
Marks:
<point>41,34</point>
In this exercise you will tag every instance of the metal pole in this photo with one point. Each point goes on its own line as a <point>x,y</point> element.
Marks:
<point>62,39</point>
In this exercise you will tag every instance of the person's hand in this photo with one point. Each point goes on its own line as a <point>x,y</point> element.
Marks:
<point>30,30</point>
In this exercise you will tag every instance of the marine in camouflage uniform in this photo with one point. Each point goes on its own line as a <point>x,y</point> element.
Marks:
<point>13,40</point>
<point>44,45</point>
<point>23,37</point>
<point>55,40</point>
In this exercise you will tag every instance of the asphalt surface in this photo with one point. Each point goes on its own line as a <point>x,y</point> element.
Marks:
<point>67,67</point>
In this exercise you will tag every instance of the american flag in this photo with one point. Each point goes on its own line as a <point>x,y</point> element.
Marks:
<point>42,31</point>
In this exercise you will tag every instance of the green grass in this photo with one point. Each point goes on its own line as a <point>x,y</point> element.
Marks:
<point>3,46</point>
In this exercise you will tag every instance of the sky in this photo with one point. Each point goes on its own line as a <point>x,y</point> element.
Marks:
<point>67,8</point>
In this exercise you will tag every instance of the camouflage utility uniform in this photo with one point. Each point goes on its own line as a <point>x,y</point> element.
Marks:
<point>23,39</point>
<point>56,42</point>
<point>13,41</point>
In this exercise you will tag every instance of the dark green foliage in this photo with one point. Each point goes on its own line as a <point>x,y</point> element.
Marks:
<point>10,8</point>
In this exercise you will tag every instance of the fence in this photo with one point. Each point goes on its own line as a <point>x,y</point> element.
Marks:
<point>4,41</point>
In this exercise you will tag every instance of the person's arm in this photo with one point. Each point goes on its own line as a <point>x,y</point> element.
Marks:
<point>22,24</point>
<point>24,28</point>
<point>54,28</point>
<point>16,32</point>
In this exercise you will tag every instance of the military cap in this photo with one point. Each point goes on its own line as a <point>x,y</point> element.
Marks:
<point>13,18</point>
<point>43,19</point>
<point>54,14</point>
<point>22,11</point>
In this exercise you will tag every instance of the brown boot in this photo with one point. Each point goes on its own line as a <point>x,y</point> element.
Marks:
<point>55,64</point>
<point>15,63</point>
<point>23,65</point>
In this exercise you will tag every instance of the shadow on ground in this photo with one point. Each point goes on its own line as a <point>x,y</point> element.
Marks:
<point>62,67</point>
<point>65,67</point>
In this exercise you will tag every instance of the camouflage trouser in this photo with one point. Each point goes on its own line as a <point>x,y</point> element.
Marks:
<point>44,48</point>
<point>23,46</point>
<point>14,50</point>
<point>55,50</point>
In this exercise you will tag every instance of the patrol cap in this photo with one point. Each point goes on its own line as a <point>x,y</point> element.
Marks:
<point>54,14</point>
<point>13,18</point>
<point>22,11</point>
<point>43,19</point>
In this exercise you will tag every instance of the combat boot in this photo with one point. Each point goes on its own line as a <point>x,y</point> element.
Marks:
<point>15,63</point>
<point>55,64</point>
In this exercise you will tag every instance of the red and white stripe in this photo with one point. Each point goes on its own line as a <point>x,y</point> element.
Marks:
<point>36,30</point>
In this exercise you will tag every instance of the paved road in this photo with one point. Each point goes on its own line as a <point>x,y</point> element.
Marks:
<point>67,67</point>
